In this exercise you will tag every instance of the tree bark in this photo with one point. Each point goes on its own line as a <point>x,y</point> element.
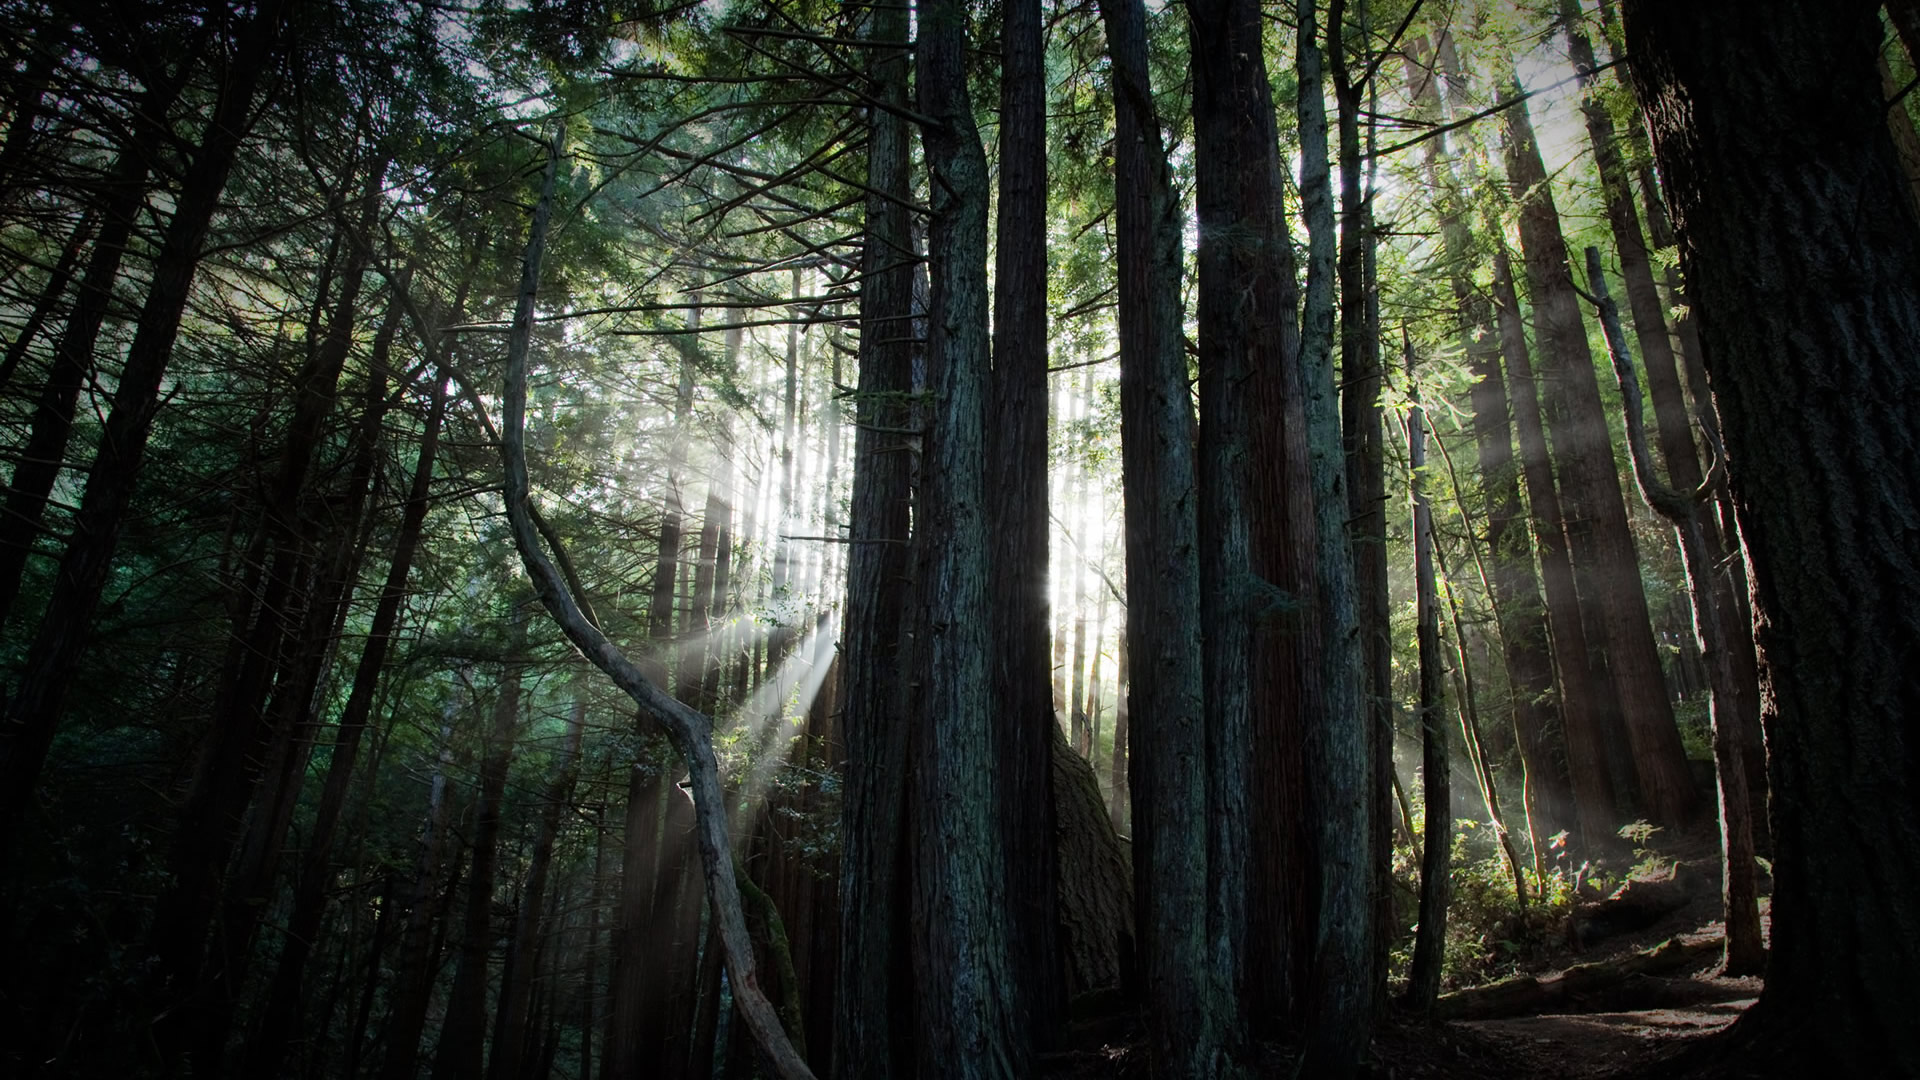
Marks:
<point>1808,335</point>
<point>1605,564</point>
<point>1588,769</point>
<point>1712,626</point>
<point>1017,522</point>
<point>967,1028</point>
<point>1167,752</point>
<point>873,1009</point>
<point>1339,1002</point>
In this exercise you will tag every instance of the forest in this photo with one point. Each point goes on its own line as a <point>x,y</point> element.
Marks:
<point>963,539</point>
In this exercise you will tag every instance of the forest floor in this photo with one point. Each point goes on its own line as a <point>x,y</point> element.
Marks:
<point>1635,1031</point>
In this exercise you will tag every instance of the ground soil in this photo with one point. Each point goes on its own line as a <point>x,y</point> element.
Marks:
<point>1656,1043</point>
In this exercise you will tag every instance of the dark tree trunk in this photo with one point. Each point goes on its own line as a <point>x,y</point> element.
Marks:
<point>44,452</point>
<point>1338,1000</point>
<point>1808,333</point>
<point>34,712</point>
<point>463,1030</point>
<point>968,1028</point>
<point>1745,954</point>
<point>1017,523</point>
<point>1580,685</point>
<point>1605,564</point>
<point>1167,754</point>
<point>872,1038</point>
<point>1249,343</point>
<point>1429,946</point>
<point>282,1016</point>
<point>1361,379</point>
<point>515,1013</point>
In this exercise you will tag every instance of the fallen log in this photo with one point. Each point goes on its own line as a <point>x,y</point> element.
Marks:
<point>1635,905</point>
<point>1595,987</point>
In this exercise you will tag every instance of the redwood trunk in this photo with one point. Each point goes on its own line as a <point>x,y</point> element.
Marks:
<point>1808,334</point>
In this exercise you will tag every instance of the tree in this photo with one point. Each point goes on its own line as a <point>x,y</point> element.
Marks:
<point>1808,338</point>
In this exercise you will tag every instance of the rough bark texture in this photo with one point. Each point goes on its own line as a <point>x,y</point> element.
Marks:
<point>1339,998</point>
<point>1246,333</point>
<point>1017,523</point>
<point>873,1012</point>
<point>1605,563</point>
<point>1167,746</point>
<point>968,1029</point>
<point>1713,625</point>
<point>1808,328</point>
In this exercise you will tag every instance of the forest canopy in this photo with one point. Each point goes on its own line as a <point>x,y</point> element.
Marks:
<point>777,538</point>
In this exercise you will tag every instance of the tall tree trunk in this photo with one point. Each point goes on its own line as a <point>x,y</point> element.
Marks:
<point>1017,522</point>
<point>1430,943</point>
<point>281,1019</point>
<point>1808,338</point>
<point>1249,344</point>
<point>1339,997</point>
<point>873,1009</point>
<point>1588,769</point>
<point>1518,608</point>
<point>44,452</point>
<point>463,1030</point>
<point>968,1028</point>
<point>413,969</point>
<point>515,1012</point>
<point>34,712</point>
<point>1361,380</point>
<point>1745,955</point>
<point>1605,564</point>
<point>1167,755</point>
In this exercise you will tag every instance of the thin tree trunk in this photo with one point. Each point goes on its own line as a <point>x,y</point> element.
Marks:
<point>1436,886</point>
<point>691,732</point>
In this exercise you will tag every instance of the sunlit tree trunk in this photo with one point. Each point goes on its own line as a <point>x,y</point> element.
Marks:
<point>1605,563</point>
<point>1588,769</point>
<point>1338,1000</point>
<point>1518,608</point>
<point>1430,942</point>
